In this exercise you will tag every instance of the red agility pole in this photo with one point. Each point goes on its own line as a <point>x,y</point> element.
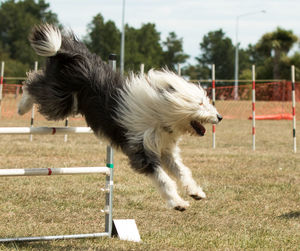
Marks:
<point>294,108</point>
<point>253,107</point>
<point>32,110</point>
<point>213,102</point>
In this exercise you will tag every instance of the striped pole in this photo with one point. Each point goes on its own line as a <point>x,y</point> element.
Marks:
<point>214,103</point>
<point>294,108</point>
<point>1,85</point>
<point>253,107</point>
<point>32,111</point>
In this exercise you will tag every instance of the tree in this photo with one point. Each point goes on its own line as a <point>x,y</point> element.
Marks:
<point>13,68</point>
<point>103,37</point>
<point>142,46</point>
<point>133,57</point>
<point>149,45</point>
<point>17,20</point>
<point>274,47</point>
<point>217,49</point>
<point>174,53</point>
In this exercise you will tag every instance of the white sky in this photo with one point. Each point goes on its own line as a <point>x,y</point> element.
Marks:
<point>190,19</point>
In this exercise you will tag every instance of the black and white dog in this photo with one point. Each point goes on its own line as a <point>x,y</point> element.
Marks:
<point>143,115</point>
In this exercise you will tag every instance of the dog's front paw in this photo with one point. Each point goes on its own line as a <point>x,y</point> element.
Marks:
<point>198,195</point>
<point>181,206</point>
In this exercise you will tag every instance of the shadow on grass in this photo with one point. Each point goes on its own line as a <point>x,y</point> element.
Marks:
<point>290,215</point>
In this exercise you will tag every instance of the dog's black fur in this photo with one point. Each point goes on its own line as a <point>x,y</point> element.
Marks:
<point>75,70</point>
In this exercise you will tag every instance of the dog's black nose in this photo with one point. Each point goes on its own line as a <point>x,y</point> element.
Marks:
<point>219,117</point>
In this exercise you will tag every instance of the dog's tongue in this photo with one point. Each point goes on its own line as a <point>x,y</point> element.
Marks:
<point>200,130</point>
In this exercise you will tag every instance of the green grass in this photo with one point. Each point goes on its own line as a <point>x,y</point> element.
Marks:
<point>253,197</point>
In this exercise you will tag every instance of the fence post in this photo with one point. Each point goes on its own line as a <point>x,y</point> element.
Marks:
<point>294,107</point>
<point>1,85</point>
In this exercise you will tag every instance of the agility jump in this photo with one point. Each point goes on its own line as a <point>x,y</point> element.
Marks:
<point>107,170</point>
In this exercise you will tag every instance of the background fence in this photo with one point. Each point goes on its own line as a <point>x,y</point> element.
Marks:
<point>271,98</point>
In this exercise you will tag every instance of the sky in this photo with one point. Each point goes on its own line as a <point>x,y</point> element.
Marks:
<point>189,19</point>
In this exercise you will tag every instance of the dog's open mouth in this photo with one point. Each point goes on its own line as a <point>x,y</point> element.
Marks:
<point>199,129</point>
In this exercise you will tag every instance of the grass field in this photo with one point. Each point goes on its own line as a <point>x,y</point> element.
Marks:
<point>253,197</point>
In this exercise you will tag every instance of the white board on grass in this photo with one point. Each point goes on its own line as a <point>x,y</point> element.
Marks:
<point>126,230</point>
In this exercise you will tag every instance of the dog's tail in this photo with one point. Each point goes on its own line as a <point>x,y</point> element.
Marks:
<point>45,39</point>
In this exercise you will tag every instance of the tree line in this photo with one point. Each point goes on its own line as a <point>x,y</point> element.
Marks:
<point>272,54</point>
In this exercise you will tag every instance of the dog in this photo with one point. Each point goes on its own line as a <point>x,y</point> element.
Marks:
<point>143,115</point>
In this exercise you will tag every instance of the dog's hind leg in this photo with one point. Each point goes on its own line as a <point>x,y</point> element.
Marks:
<point>172,161</point>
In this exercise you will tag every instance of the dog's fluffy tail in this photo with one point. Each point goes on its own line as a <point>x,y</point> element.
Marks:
<point>45,39</point>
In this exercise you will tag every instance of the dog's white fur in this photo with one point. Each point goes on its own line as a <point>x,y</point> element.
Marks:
<point>51,44</point>
<point>146,112</point>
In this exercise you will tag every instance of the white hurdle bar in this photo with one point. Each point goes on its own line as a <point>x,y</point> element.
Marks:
<point>53,171</point>
<point>44,130</point>
<point>108,171</point>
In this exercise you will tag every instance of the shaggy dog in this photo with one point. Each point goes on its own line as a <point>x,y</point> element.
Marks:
<point>144,115</point>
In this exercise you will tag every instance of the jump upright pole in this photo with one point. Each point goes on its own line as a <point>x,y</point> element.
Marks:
<point>214,103</point>
<point>253,108</point>
<point>33,107</point>
<point>109,179</point>
<point>294,108</point>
